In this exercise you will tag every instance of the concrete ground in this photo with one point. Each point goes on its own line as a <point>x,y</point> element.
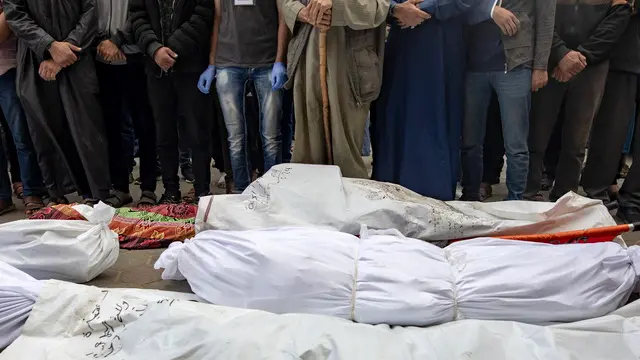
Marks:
<point>134,269</point>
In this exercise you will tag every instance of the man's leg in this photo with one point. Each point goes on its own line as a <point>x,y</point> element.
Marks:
<point>112,79</point>
<point>629,195</point>
<point>230,86</point>
<point>197,113</point>
<point>137,99</point>
<point>286,127</point>
<point>544,114</point>
<point>552,155</point>
<point>19,131</point>
<point>270,104</point>
<point>583,99</point>
<point>514,95</point>
<point>493,154</point>
<point>608,136</point>
<point>6,203</point>
<point>165,115</point>
<point>476,103</point>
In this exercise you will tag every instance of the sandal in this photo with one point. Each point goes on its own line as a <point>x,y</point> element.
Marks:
<point>32,204</point>
<point>119,199</point>
<point>147,199</point>
<point>18,189</point>
<point>190,197</point>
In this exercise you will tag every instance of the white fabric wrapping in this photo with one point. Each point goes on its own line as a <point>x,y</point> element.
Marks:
<point>75,251</point>
<point>403,281</point>
<point>318,196</point>
<point>65,325</point>
<point>18,293</point>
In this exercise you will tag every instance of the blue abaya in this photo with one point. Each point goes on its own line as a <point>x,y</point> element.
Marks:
<point>416,125</point>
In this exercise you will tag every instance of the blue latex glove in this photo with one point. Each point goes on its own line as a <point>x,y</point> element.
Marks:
<point>278,76</point>
<point>206,79</point>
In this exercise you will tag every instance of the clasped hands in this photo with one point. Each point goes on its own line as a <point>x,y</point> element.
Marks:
<point>570,65</point>
<point>63,54</point>
<point>317,13</point>
<point>409,15</point>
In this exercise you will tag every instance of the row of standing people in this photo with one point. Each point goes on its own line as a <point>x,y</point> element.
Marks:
<point>427,100</point>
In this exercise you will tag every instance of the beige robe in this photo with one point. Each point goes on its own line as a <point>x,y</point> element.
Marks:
<point>347,116</point>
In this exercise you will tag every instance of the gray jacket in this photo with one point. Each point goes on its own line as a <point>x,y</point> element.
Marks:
<point>532,43</point>
<point>114,24</point>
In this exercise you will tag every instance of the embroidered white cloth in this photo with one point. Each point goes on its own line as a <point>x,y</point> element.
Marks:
<point>318,196</point>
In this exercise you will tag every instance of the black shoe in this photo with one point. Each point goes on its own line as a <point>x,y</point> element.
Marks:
<point>628,216</point>
<point>167,198</point>
<point>187,174</point>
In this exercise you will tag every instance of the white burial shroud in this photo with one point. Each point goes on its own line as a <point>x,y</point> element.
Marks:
<point>318,196</point>
<point>384,278</point>
<point>69,250</point>
<point>75,322</point>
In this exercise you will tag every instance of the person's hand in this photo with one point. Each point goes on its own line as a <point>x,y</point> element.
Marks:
<point>63,53</point>
<point>119,56</point>
<point>561,76</point>
<point>508,23</point>
<point>108,50</point>
<point>49,69</point>
<point>206,79</point>
<point>408,14</point>
<point>324,24</point>
<point>572,63</point>
<point>539,79</point>
<point>317,9</point>
<point>165,58</point>
<point>278,76</point>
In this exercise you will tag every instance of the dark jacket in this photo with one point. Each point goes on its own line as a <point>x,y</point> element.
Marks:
<point>626,53</point>
<point>591,27</point>
<point>190,35</point>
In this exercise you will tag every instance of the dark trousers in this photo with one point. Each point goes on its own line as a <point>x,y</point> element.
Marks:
<point>582,96</point>
<point>137,103</point>
<point>123,96</point>
<point>552,155</point>
<point>286,128</point>
<point>219,145</point>
<point>113,80</point>
<point>174,99</point>
<point>493,157</point>
<point>609,134</point>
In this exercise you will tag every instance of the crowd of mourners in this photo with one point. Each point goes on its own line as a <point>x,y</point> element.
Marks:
<point>440,91</point>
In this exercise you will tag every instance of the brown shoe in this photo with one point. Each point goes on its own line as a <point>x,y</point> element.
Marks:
<point>6,206</point>
<point>486,191</point>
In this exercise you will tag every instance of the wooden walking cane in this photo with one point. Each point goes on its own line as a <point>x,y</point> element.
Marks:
<point>325,95</point>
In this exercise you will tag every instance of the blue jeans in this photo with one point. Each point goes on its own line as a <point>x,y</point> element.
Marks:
<point>230,84</point>
<point>514,95</point>
<point>29,167</point>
